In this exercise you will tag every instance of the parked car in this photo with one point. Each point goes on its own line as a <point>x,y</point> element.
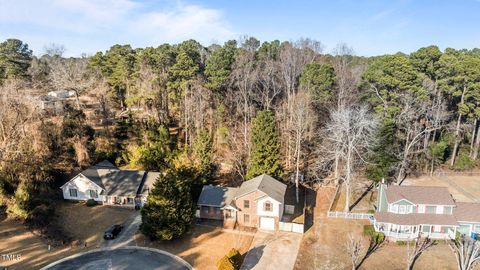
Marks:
<point>112,232</point>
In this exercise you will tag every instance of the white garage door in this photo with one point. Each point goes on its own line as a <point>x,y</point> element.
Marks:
<point>267,223</point>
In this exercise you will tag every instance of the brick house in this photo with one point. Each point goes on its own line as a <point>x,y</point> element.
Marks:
<point>258,202</point>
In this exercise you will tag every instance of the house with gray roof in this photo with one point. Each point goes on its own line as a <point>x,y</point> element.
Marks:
<point>405,212</point>
<point>258,202</point>
<point>107,184</point>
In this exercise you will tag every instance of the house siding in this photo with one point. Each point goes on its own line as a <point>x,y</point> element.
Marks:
<point>210,212</point>
<point>251,211</point>
<point>82,185</point>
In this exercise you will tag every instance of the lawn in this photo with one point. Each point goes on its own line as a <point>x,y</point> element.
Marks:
<point>203,246</point>
<point>87,224</point>
<point>80,222</point>
<point>323,245</point>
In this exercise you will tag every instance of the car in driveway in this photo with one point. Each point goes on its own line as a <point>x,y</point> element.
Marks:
<point>112,232</point>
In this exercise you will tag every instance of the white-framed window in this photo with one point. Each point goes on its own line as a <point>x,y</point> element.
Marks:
<point>394,208</point>
<point>267,206</point>
<point>431,209</point>
<point>93,194</point>
<point>402,209</point>
<point>73,192</point>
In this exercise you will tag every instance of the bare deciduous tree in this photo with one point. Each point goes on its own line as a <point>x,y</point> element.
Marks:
<point>71,74</point>
<point>467,252</point>
<point>354,248</point>
<point>348,136</point>
<point>421,244</point>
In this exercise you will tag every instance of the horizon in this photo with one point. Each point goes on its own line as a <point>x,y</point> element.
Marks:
<point>370,27</point>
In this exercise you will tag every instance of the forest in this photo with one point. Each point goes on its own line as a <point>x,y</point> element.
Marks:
<point>231,112</point>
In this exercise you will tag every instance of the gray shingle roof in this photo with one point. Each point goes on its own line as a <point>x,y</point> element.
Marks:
<point>150,179</point>
<point>115,182</point>
<point>469,212</point>
<point>415,219</point>
<point>266,184</point>
<point>420,195</point>
<point>216,196</point>
<point>106,164</point>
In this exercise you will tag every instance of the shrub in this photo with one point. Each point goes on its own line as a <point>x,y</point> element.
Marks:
<point>91,202</point>
<point>463,162</point>
<point>231,261</point>
<point>371,211</point>
<point>368,230</point>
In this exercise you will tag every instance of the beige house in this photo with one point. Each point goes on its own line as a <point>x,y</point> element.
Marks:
<point>258,202</point>
<point>107,184</point>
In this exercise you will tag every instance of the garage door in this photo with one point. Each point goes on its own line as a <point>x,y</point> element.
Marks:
<point>267,223</point>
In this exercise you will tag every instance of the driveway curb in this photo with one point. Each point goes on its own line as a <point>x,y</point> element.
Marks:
<point>178,259</point>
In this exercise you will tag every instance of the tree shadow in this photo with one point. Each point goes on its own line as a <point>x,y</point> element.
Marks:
<point>252,257</point>
<point>374,244</point>
<point>369,188</point>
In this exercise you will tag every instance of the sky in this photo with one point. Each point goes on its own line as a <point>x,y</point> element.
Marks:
<point>370,27</point>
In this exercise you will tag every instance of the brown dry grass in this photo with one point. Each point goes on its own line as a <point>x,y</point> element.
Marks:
<point>79,221</point>
<point>323,246</point>
<point>16,239</point>
<point>203,246</point>
<point>84,223</point>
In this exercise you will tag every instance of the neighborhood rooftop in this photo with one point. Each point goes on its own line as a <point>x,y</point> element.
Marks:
<point>415,219</point>
<point>420,195</point>
<point>266,184</point>
<point>216,196</point>
<point>467,212</point>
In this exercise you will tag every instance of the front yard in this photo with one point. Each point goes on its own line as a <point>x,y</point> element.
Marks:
<point>81,223</point>
<point>323,245</point>
<point>203,246</point>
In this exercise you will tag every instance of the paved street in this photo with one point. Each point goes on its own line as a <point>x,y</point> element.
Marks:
<point>131,258</point>
<point>275,251</point>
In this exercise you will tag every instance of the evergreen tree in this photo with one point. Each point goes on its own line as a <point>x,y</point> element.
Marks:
<point>383,159</point>
<point>203,154</point>
<point>265,153</point>
<point>219,65</point>
<point>169,210</point>
<point>15,59</point>
<point>318,80</point>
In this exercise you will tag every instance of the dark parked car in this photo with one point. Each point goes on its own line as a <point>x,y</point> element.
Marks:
<point>112,232</point>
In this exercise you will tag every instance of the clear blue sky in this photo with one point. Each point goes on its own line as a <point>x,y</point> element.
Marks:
<point>371,27</point>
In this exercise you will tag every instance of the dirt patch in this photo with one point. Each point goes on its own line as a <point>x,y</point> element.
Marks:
<point>203,246</point>
<point>87,224</point>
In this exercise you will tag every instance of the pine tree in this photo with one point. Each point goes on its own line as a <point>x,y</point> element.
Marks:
<point>383,159</point>
<point>169,210</point>
<point>265,153</point>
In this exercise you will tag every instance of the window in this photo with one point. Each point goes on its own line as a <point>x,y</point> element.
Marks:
<point>246,204</point>
<point>73,192</point>
<point>431,209</point>
<point>130,200</point>
<point>402,209</point>
<point>246,218</point>
<point>267,207</point>
<point>447,210</point>
<point>93,193</point>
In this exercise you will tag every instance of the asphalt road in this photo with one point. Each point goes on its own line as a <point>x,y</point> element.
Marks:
<point>121,258</point>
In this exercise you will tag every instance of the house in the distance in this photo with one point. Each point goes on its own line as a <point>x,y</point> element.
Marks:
<point>259,203</point>
<point>107,184</point>
<point>406,212</point>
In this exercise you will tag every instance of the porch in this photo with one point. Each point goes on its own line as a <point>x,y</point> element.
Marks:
<point>124,201</point>
<point>408,232</point>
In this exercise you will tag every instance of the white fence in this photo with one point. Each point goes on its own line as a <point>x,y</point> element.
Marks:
<point>348,215</point>
<point>291,227</point>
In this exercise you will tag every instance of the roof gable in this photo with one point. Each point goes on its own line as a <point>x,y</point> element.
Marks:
<point>216,196</point>
<point>266,184</point>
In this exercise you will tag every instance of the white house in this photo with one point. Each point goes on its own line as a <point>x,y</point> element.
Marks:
<point>107,184</point>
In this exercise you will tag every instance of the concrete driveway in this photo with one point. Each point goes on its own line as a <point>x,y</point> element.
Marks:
<point>275,251</point>
<point>125,238</point>
<point>132,258</point>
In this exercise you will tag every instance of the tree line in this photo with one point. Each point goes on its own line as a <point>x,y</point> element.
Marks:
<point>243,108</point>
